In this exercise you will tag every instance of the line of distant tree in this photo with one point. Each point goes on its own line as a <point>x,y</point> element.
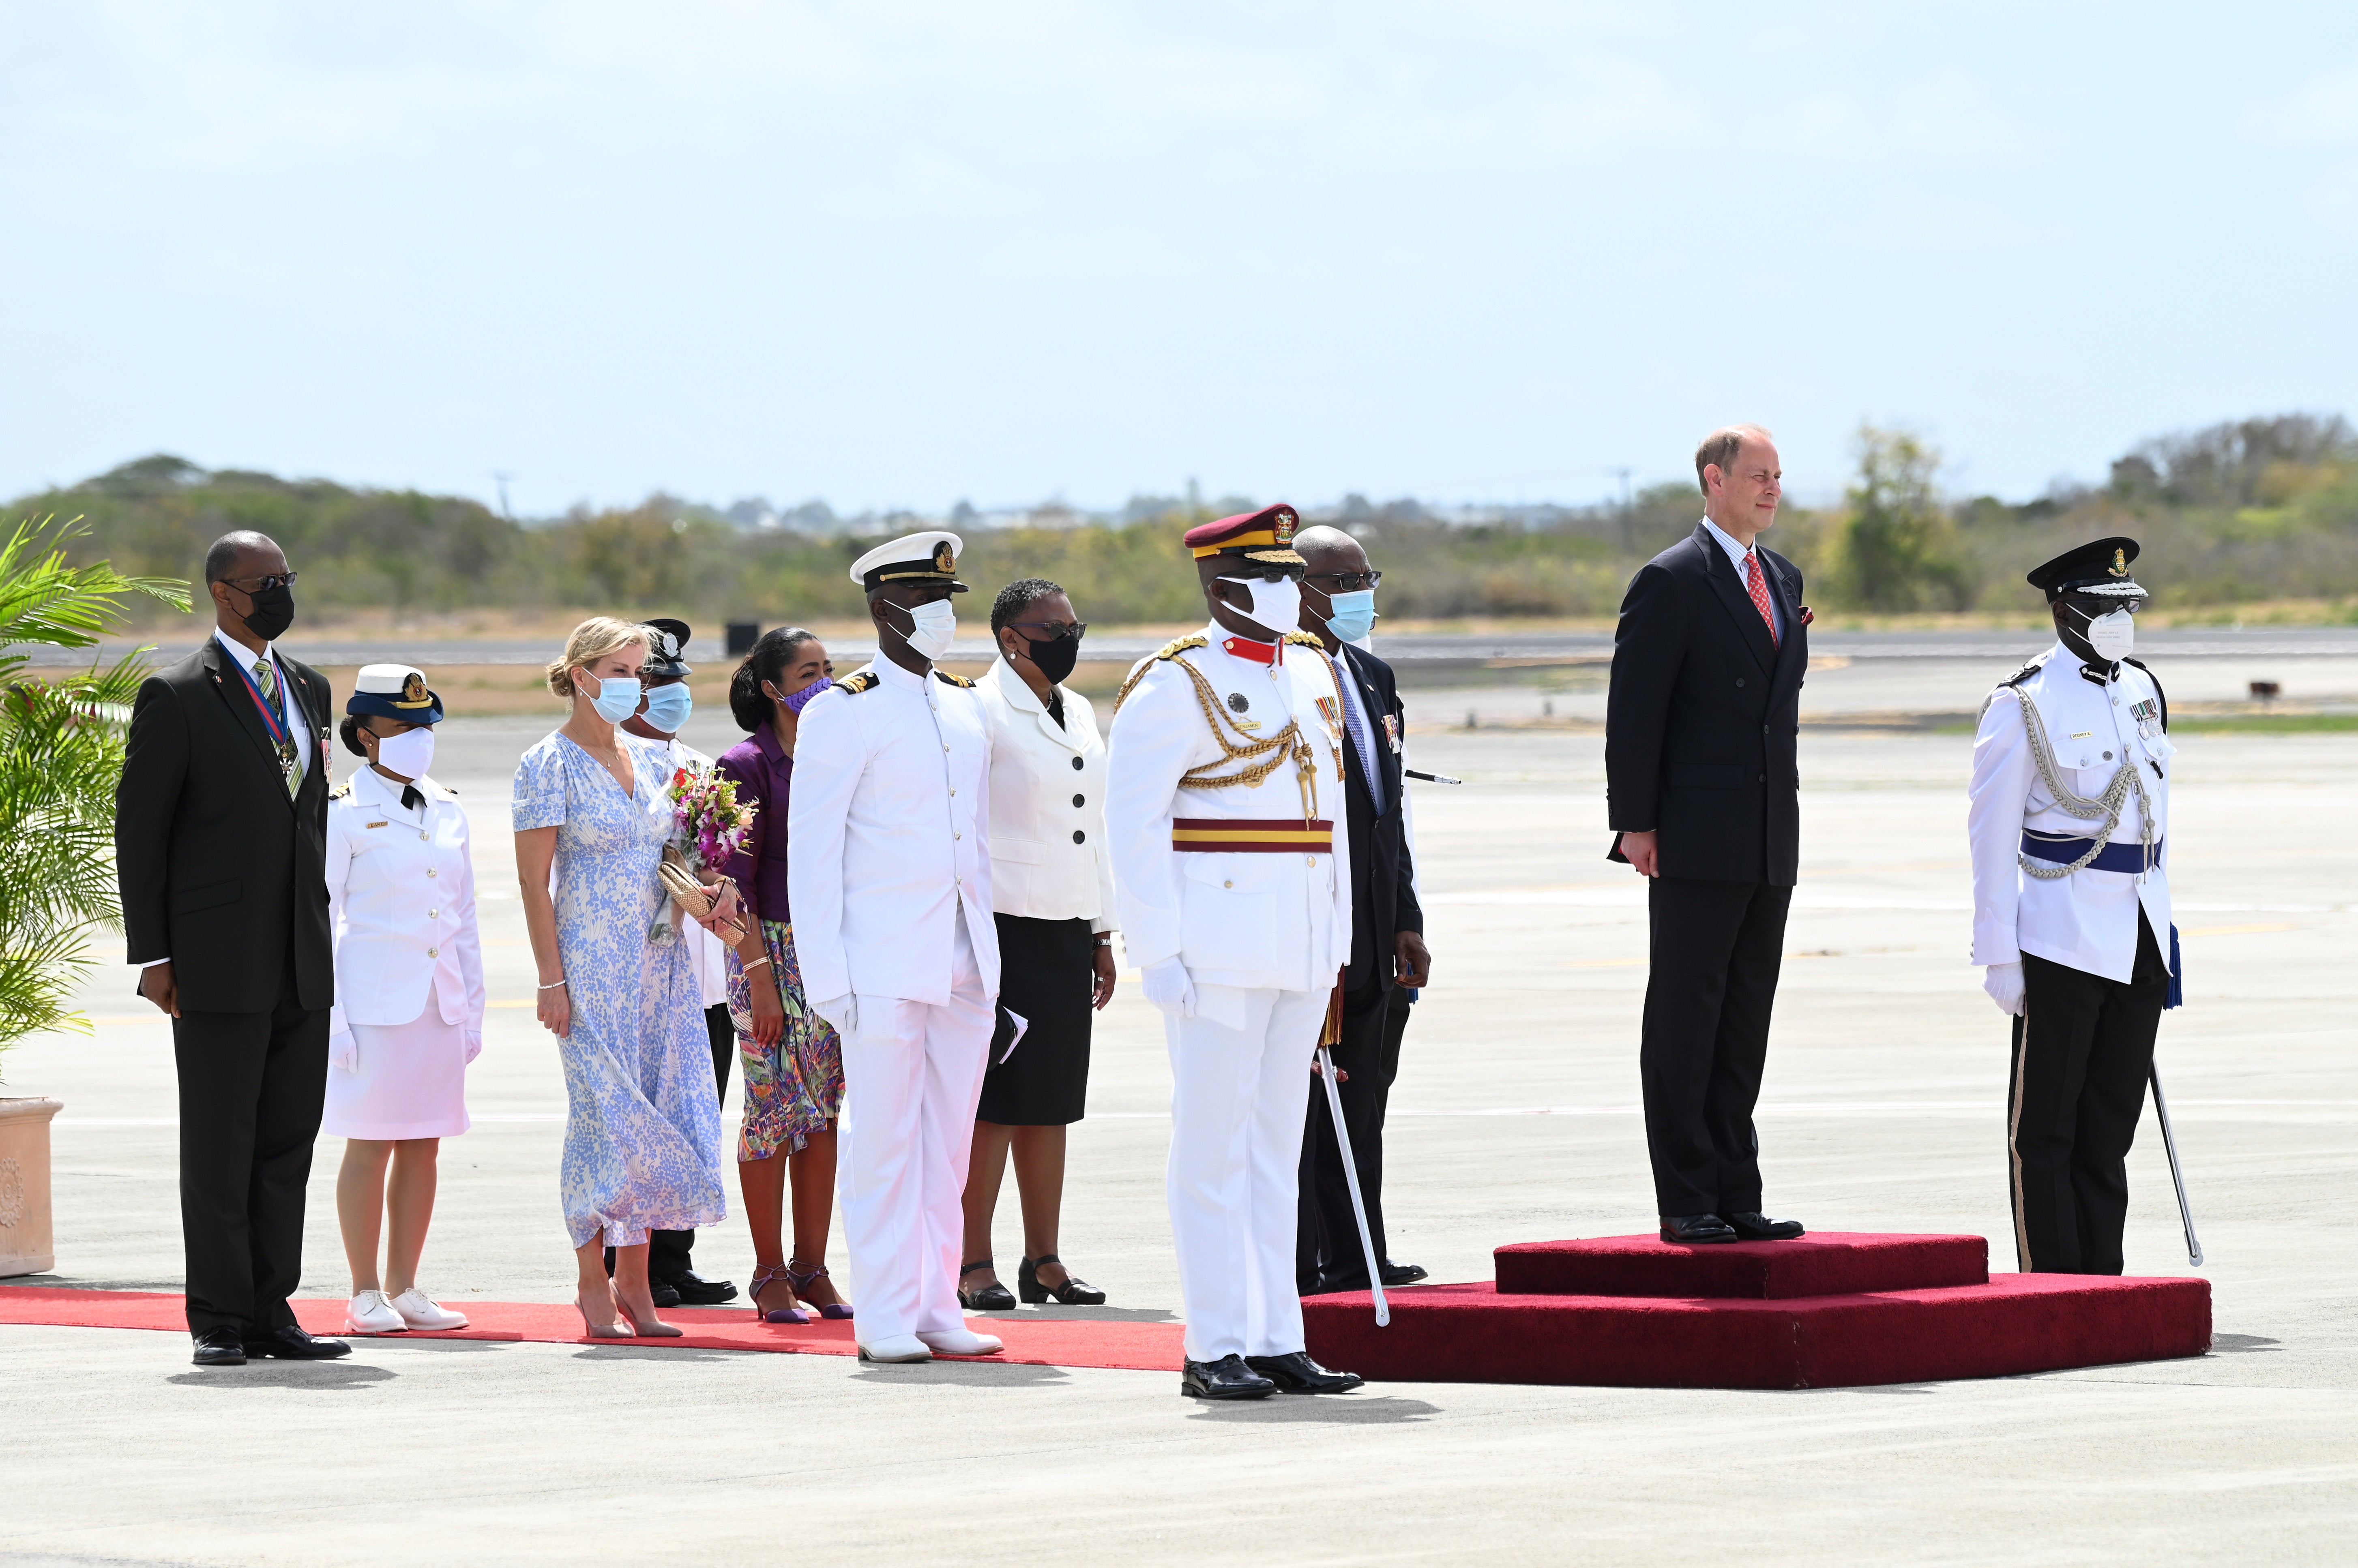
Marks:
<point>2260,509</point>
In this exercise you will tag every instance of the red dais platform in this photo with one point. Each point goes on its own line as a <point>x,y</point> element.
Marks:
<point>1829,1311</point>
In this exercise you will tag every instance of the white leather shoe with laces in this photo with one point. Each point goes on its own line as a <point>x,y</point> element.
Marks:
<point>959,1342</point>
<point>896,1348</point>
<point>419,1309</point>
<point>370,1313</point>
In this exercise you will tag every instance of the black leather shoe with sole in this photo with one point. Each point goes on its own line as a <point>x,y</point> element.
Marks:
<point>1225,1379</point>
<point>693,1289</point>
<point>220,1346</point>
<point>1296,1373</point>
<point>1757,1227</point>
<point>1693,1229</point>
<point>291,1344</point>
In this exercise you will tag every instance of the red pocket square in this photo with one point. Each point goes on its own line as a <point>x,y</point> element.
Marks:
<point>1806,616</point>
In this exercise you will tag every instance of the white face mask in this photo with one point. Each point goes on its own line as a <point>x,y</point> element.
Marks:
<point>2112,636</point>
<point>409,753</point>
<point>1276,607</point>
<point>931,627</point>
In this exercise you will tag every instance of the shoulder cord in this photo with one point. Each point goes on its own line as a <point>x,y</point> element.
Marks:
<point>1256,759</point>
<point>2107,806</point>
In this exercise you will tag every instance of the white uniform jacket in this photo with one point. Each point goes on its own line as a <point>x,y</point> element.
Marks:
<point>401,903</point>
<point>1048,858</point>
<point>2086,921</point>
<point>888,820</point>
<point>1254,921</point>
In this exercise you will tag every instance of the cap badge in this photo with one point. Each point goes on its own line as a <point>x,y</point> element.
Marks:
<point>412,689</point>
<point>2120,566</point>
<point>1285,523</point>
<point>943,561</point>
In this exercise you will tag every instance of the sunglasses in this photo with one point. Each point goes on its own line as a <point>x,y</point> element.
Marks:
<point>1348,582</point>
<point>1057,631</point>
<point>261,584</point>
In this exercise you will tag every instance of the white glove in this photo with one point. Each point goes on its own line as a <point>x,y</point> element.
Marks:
<point>344,1053</point>
<point>1167,986</point>
<point>474,1044</point>
<point>2005,984</point>
<point>843,1011</point>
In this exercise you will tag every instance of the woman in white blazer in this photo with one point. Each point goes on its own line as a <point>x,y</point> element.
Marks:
<point>408,1014</point>
<point>1052,893</point>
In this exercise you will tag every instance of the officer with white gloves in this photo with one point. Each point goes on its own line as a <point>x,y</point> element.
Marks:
<point>2069,824</point>
<point>408,1014</point>
<point>890,883</point>
<point>1224,813</point>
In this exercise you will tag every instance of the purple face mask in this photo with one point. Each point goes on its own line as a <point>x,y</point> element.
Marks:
<point>802,699</point>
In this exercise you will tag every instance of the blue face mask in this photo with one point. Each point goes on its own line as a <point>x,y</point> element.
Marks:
<point>617,699</point>
<point>1355,614</point>
<point>668,706</point>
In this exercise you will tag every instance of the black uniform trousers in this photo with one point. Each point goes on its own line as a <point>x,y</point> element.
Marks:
<point>1327,1251</point>
<point>667,1250</point>
<point>252,1088</point>
<point>1715,949</point>
<point>2082,1051</point>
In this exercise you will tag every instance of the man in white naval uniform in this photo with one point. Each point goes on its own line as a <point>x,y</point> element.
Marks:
<point>890,883</point>
<point>1225,821</point>
<point>2069,826</point>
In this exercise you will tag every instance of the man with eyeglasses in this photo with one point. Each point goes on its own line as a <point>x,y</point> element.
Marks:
<point>1225,819</point>
<point>1339,608</point>
<point>2069,827</point>
<point>221,850</point>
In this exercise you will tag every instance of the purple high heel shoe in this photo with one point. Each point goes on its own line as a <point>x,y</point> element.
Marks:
<point>834,1311</point>
<point>770,1274</point>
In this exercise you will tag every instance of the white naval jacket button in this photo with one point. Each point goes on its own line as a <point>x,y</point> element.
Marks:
<point>1227,884</point>
<point>434,952</point>
<point>423,834</point>
<point>429,870</point>
<point>432,912</point>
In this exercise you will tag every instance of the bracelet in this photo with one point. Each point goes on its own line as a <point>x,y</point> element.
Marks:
<point>754,963</point>
<point>554,984</point>
<point>1104,940</point>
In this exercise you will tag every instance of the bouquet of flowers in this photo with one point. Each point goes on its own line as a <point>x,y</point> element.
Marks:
<point>709,824</point>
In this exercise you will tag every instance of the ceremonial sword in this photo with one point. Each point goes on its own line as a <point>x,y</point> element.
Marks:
<point>1351,1176</point>
<point>2169,1141</point>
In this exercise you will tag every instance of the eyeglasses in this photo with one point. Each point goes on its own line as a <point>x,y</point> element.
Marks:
<point>1256,571</point>
<point>263,584</point>
<point>1057,631</point>
<point>1348,582</point>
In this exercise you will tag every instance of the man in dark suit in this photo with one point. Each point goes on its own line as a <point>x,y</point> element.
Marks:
<point>219,843</point>
<point>1703,793</point>
<point>1387,928</point>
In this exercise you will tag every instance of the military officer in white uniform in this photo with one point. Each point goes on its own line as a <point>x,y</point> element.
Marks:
<point>1224,813</point>
<point>408,1014</point>
<point>2069,824</point>
<point>890,883</point>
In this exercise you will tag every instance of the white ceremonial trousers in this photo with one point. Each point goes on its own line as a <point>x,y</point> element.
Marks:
<point>2087,921</point>
<point>1263,937</point>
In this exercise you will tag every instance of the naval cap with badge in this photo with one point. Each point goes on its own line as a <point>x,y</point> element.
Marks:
<point>2099,568</point>
<point>927,558</point>
<point>1264,538</point>
<point>394,691</point>
<point>668,651</point>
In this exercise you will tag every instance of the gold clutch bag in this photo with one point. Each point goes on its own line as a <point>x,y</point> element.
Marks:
<point>691,895</point>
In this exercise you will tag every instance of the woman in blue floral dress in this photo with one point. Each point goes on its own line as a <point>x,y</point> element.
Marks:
<point>617,987</point>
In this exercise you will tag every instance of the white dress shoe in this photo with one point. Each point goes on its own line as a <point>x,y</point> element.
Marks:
<point>959,1342</point>
<point>896,1348</point>
<point>419,1309</point>
<point>370,1313</point>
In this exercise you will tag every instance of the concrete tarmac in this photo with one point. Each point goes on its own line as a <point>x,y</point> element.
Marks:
<point>1514,1119</point>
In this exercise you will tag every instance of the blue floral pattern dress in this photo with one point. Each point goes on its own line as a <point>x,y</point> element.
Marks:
<point>643,1148</point>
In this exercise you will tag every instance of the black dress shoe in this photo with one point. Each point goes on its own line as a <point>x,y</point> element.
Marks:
<point>1692,1229</point>
<point>1225,1379</point>
<point>291,1344</point>
<point>692,1289</point>
<point>219,1346</point>
<point>1296,1373</point>
<point>1402,1274</point>
<point>663,1294</point>
<point>1757,1227</point>
<point>992,1297</point>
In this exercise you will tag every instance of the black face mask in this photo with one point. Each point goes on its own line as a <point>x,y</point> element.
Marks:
<point>273,612</point>
<point>1054,657</point>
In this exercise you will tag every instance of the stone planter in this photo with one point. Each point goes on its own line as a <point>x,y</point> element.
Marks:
<point>27,1240</point>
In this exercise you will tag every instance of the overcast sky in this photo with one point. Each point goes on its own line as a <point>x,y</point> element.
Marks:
<point>904,253</point>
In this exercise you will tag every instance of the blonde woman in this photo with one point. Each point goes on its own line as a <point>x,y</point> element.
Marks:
<point>617,988</point>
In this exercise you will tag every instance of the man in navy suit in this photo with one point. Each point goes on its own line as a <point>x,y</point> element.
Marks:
<point>1701,729</point>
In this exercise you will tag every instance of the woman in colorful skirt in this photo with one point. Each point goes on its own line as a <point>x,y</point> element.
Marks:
<point>793,1058</point>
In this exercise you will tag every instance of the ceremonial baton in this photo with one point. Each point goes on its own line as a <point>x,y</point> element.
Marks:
<point>1429,778</point>
<point>2169,1141</point>
<point>1358,1204</point>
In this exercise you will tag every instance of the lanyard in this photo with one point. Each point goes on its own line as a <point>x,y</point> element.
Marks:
<point>271,721</point>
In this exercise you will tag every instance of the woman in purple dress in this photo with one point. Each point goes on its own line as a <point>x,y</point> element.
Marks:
<point>792,1057</point>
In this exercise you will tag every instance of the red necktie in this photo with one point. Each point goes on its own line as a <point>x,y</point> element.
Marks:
<point>1760,591</point>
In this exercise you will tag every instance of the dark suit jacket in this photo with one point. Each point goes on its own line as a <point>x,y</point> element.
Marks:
<point>1383,890</point>
<point>220,872</point>
<point>1703,717</point>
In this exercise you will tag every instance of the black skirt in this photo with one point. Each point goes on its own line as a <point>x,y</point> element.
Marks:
<point>1046,971</point>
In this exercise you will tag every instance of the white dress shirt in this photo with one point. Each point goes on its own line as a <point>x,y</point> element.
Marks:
<point>1048,857</point>
<point>889,820</point>
<point>1740,554</point>
<point>1363,733</point>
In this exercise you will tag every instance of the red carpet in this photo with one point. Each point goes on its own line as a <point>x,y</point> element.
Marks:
<point>1834,1311</point>
<point>1033,1340</point>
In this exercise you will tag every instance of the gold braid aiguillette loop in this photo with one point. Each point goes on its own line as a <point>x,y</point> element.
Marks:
<point>1257,759</point>
<point>2107,806</point>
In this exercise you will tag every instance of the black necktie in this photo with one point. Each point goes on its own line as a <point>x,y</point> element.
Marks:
<point>410,798</point>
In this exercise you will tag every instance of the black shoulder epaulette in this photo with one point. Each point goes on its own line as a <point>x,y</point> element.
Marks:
<point>954,680</point>
<point>340,791</point>
<point>1306,639</point>
<point>2024,673</point>
<point>854,684</point>
<point>1171,650</point>
<point>2159,696</point>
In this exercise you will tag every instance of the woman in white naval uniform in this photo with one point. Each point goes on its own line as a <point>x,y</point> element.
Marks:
<point>408,1014</point>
